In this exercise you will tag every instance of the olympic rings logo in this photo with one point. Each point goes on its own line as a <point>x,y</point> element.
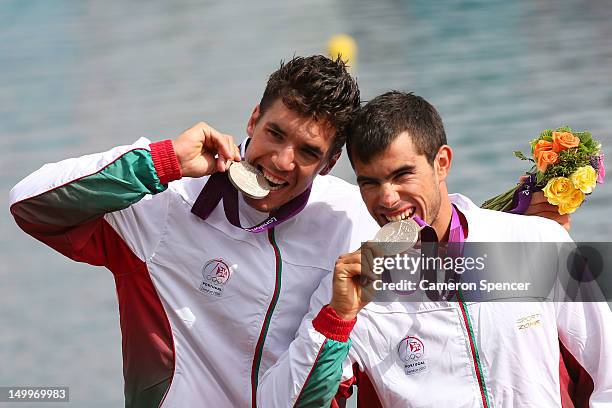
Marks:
<point>216,271</point>
<point>410,349</point>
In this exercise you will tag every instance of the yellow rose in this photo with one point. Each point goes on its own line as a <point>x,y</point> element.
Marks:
<point>557,189</point>
<point>574,199</point>
<point>560,191</point>
<point>584,179</point>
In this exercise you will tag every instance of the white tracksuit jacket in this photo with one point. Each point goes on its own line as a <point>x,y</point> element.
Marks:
<point>489,354</point>
<point>205,307</point>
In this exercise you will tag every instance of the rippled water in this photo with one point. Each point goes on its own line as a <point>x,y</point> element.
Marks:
<point>79,77</point>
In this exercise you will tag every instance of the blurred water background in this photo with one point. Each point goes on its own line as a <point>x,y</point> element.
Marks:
<point>82,76</point>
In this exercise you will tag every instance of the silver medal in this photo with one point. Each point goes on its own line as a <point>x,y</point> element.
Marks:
<point>398,236</point>
<point>246,178</point>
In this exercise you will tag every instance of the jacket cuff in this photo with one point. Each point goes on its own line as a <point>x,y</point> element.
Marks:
<point>332,326</point>
<point>165,161</point>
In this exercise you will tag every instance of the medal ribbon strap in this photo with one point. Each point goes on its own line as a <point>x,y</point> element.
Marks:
<point>456,229</point>
<point>430,245</point>
<point>456,233</point>
<point>218,187</point>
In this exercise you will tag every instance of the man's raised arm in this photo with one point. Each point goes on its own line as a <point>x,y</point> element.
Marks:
<point>310,372</point>
<point>73,205</point>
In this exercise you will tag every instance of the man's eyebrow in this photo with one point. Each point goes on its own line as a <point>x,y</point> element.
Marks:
<point>314,149</point>
<point>362,179</point>
<point>275,128</point>
<point>407,168</point>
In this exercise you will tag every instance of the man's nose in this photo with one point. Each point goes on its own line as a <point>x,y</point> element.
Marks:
<point>283,159</point>
<point>388,195</point>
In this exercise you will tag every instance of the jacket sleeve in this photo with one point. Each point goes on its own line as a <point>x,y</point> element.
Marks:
<point>309,373</point>
<point>75,205</point>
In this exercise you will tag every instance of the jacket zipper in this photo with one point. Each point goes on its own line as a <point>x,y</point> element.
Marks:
<point>267,319</point>
<point>475,358</point>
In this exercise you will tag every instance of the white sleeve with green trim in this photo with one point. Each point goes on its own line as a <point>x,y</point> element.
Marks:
<point>309,373</point>
<point>63,204</point>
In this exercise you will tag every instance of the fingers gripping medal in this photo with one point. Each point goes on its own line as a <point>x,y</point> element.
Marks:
<point>247,179</point>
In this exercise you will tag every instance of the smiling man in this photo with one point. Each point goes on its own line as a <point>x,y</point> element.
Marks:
<point>434,353</point>
<point>208,305</point>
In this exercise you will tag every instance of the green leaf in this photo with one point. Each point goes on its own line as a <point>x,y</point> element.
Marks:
<point>546,133</point>
<point>591,147</point>
<point>521,156</point>
<point>585,137</point>
<point>564,129</point>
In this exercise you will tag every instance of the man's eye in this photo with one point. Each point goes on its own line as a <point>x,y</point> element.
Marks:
<point>310,154</point>
<point>403,176</point>
<point>275,135</point>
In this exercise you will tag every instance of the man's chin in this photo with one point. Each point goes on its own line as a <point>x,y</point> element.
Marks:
<point>262,205</point>
<point>267,204</point>
<point>274,200</point>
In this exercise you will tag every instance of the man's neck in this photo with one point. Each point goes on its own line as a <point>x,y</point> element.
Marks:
<point>442,223</point>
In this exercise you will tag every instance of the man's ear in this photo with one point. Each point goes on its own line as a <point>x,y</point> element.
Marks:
<point>443,161</point>
<point>330,163</point>
<point>253,121</point>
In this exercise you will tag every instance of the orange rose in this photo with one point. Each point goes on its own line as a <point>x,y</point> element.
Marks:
<point>564,141</point>
<point>541,146</point>
<point>545,159</point>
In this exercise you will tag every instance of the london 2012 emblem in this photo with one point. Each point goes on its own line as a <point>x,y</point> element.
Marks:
<point>411,352</point>
<point>215,275</point>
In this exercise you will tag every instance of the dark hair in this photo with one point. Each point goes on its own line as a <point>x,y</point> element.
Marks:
<point>316,87</point>
<point>385,117</point>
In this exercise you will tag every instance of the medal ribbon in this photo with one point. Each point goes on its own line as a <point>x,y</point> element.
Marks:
<point>456,233</point>
<point>429,236</point>
<point>218,187</point>
<point>456,238</point>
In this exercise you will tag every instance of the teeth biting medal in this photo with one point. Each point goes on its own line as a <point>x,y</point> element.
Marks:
<point>248,179</point>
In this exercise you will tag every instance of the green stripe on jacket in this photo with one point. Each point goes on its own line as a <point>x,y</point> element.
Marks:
<point>115,187</point>
<point>322,384</point>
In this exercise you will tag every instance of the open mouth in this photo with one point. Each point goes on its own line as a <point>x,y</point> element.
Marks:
<point>274,182</point>
<point>408,213</point>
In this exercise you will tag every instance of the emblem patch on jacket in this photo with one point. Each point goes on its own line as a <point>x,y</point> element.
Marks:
<point>215,275</point>
<point>527,322</point>
<point>411,351</point>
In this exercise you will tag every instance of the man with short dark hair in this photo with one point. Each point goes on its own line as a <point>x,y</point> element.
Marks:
<point>433,353</point>
<point>210,294</point>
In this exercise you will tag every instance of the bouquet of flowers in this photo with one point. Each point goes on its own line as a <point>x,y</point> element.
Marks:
<point>567,166</point>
